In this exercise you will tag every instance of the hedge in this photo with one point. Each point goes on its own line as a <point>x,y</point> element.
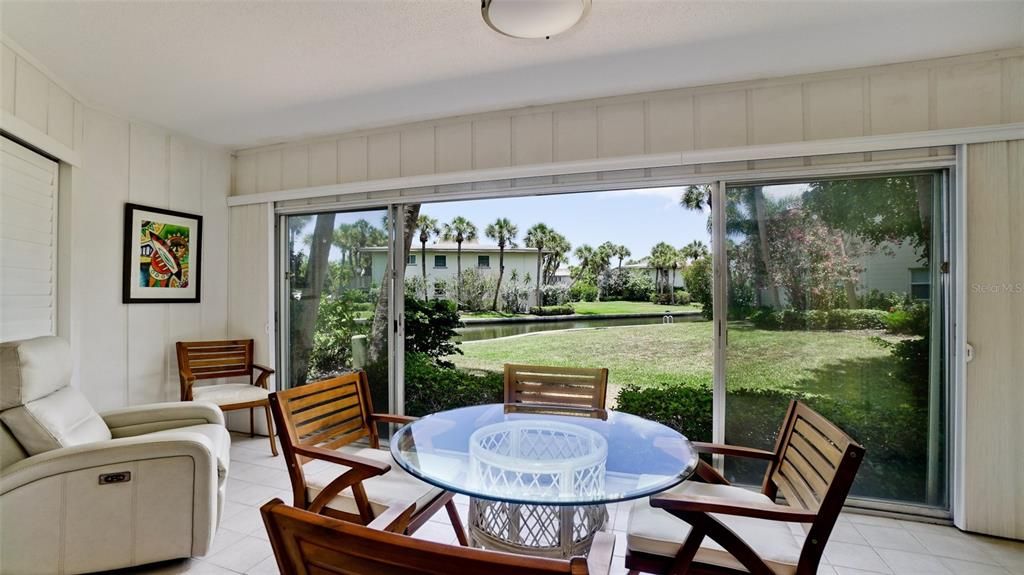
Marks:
<point>553,310</point>
<point>430,388</point>
<point>836,319</point>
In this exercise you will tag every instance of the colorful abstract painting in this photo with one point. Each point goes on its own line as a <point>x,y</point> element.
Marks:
<point>162,252</point>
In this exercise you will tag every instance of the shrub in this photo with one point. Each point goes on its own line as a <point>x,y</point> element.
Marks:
<point>912,319</point>
<point>682,297</point>
<point>612,283</point>
<point>698,282</point>
<point>766,318</point>
<point>515,293</point>
<point>836,319</point>
<point>583,291</point>
<point>430,388</point>
<point>430,328</point>
<point>476,290</point>
<point>885,301</point>
<point>555,294</point>
<point>553,310</point>
<point>332,336</point>
<point>685,408</point>
<point>639,286</point>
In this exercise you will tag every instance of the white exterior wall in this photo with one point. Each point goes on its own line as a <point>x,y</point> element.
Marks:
<point>521,263</point>
<point>889,273</point>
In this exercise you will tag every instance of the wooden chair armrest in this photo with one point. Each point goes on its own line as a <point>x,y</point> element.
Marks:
<point>599,561</point>
<point>748,452</point>
<point>707,474</point>
<point>703,504</point>
<point>263,368</point>
<point>396,518</point>
<point>392,418</point>
<point>349,460</point>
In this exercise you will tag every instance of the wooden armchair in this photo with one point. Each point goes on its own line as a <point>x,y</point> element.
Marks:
<point>198,360</point>
<point>813,467</point>
<point>584,387</point>
<point>319,425</point>
<point>306,543</point>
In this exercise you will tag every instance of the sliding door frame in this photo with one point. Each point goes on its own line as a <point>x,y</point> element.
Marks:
<point>952,298</point>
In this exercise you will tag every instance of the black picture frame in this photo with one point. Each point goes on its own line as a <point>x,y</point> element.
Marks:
<point>171,272</point>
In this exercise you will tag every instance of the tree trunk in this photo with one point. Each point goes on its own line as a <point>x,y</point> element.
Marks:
<point>762,232</point>
<point>672,287</point>
<point>379,329</point>
<point>501,273</point>
<point>423,265</point>
<point>458,276</point>
<point>540,252</point>
<point>303,322</point>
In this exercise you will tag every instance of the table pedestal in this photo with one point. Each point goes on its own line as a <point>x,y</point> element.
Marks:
<point>559,531</point>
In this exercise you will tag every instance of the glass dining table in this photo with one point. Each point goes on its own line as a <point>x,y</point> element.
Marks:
<point>539,476</point>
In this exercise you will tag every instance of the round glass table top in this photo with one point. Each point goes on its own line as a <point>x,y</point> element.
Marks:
<point>544,454</point>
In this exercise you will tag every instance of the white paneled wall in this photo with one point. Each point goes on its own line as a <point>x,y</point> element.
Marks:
<point>125,353</point>
<point>973,90</point>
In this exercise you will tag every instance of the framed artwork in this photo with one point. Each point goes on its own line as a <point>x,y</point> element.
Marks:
<point>162,255</point>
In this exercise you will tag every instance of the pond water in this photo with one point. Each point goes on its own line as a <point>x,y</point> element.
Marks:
<point>476,332</point>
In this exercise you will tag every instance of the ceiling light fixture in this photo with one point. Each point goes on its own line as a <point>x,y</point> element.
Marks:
<point>533,18</point>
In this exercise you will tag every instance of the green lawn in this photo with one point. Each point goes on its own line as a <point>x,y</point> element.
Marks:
<point>600,307</point>
<point>841,364</point>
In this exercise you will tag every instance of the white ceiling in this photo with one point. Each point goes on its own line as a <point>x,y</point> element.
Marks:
<point>249,73</point>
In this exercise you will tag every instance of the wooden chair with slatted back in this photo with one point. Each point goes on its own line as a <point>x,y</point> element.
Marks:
<point>233,358</point>
<point>813,466</point>
<point>331,425</point>
<point>305,543</point>
<point>583,387</point>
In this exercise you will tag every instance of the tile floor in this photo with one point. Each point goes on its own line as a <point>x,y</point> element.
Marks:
<point>860,544</point>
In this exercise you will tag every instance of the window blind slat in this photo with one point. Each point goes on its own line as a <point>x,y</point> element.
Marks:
<point>28,243</point>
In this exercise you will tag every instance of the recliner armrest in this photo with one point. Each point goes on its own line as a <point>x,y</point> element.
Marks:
<point>141,419</point>
<point>112,452</point>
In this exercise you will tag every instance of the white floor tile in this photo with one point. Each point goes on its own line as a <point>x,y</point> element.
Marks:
<point>958,566</point>
<point>909,563</point>
<point>241,556</point>
<point>890,538</point>
<point>854,556</point>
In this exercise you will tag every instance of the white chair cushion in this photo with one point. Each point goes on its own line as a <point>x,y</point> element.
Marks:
<point>61,419</point>
<point>229,393</point>
<point>218,436</point>
<point>396,484</point>
<point>657,532</point>
<point>32,369</point>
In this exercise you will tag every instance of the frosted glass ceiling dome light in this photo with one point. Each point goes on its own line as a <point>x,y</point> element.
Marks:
<point>533,18</point>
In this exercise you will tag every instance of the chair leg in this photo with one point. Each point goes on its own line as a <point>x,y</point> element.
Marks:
<point>252,423</point>
<point>453,515</point>
<point>270,430</point>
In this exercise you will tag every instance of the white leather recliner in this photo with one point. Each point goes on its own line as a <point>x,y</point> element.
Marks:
<point>82,491</point>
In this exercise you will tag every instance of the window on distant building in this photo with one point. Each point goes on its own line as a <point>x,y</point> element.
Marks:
<point>410,260</point>
<point>439,289</point>
<point>483,261</point>
<point>920,283</point>
<point>440,261</point>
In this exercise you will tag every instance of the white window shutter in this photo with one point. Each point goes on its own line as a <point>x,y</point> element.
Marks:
<point>28,243</point>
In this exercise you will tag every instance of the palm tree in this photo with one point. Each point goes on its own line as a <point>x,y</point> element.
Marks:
<point>558,248</point>
<point>504,232</point>
<point>694,250</point>
<point>662,256</point>
<point>536,237</point>
<point>586,255</point>
<point>459,230</point>
<point>622,252</point>
<point>428,227</point>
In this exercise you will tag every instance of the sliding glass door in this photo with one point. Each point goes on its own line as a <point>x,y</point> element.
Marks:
<point>834,298</point>
<point>335,313</point>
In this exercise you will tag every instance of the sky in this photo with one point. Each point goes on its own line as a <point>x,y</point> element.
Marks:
<point>638,218</point>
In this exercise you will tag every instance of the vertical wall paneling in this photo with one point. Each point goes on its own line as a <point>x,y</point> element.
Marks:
<point>1013,89</point>
<point>620,129</point>
<point>216,181</point>
<point>31,95</point>
<point>384,156</point>
<point>669,124</point>
<point>99,195</point>
<point>352,160</point>
<point>835,108</point>
<point>185,193</point>
<point>147,323</point>
<point>899,102</point>
<point>269,171</point>
<point>995,328</point>
<point>60,115</point>
<point>492,143</point>
<point>576,134</point>
<point>323,163</point>
<point>417,151</point>
<point>532,139</point>
<point>295,168</point>
<point>776,114</point>
<point>721,119</point>
<point>968,95</point>
<point>454,147</point>
<point>8,62</point>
